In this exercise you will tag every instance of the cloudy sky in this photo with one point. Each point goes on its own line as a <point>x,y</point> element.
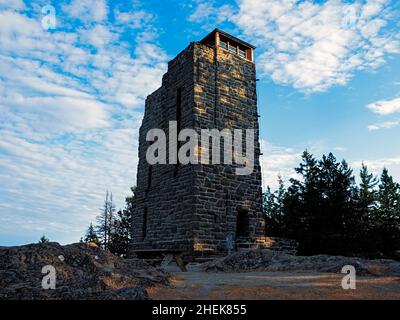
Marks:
<point>72,97</point>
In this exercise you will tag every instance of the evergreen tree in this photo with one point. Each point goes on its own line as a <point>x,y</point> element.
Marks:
<point>268,208</point>
<point>122,227</point>
<point>386,221</point>
<point>121,235</point>
<point>327,213</point>
<point>43,239</point>
<point>367,194</point>
<point>113,230</point>
<point>366,199</point>
<point>273,209</point>
<point>91,235</point>
<point>300,200</point>
<point>105,221</point>
<point>318,209</point>
<point>388,195</point>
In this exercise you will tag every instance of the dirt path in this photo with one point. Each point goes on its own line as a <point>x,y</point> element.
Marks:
<point>273,285</point>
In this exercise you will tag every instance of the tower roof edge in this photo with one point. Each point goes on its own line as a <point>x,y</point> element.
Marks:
<point>227,35</point>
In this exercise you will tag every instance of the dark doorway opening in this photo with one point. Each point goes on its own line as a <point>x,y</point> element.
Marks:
<point>242,224</point>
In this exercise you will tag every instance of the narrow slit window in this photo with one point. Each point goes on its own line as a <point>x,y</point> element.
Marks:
<point>176,170</point>
<point>178,123</point>
<point>179,108</point>
<point>149,176</point>
<point>144,226</point>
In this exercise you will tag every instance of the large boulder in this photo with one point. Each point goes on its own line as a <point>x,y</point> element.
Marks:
<point>82,272</point>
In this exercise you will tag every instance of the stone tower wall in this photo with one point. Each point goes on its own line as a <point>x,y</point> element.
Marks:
<point>225,97</point>
<point>194,207</point>
<point>168,198</point>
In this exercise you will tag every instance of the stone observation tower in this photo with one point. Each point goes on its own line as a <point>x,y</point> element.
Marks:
<point>194,207</point>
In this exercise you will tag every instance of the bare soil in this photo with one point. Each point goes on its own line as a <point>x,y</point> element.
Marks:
<point>274,285</point>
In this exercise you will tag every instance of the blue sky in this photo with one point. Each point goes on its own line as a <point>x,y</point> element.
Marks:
<point>72,97</point>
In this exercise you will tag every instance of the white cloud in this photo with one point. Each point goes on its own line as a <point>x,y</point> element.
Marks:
<point>15,4</point>
<point>69,118</point>
<point>308,45</point>
<point>277,161</point>
<point>385,107</point>
<point>376,166</point>
<point>315,46</point>
<point>136,20</point>
<point>383,125</point>
<point>65,183</point>
<point>210,15</point>
<point>87,10</point>
<point>99,36</point>
<point>381,163</point>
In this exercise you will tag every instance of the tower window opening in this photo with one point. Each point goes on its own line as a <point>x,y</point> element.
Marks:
<point>231,44</point>
<point>178,124</point>
<point>179,108</point>
<point>149,177</point>
<point>144,225</point>
<point>235,48</point>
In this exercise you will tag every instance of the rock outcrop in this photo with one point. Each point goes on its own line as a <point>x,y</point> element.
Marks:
<point>82,272</point>
<point>269,260</point>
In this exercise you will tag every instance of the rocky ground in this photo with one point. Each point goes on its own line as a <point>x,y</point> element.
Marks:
<point>83,271</point>
<point>268,260</point>
<point>266,275</point>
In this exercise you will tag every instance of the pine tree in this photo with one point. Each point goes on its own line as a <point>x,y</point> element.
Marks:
<point>105,221</point>
<point>386,224</point>
<point>268,208</point>
<point>91,235</point>
<point>318,209</point>
<point>327,213</point>
<point>366,199</point>
<point>388,194</point>
<point>273,209</point>
<point>280,196</point>
<point>300,201</point>
<point>367,194</point>
<point>43,239</point>
<point>122,227</point>
<point>121,235</point>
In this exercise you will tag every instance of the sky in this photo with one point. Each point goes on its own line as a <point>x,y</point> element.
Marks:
<point>72,95</point>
